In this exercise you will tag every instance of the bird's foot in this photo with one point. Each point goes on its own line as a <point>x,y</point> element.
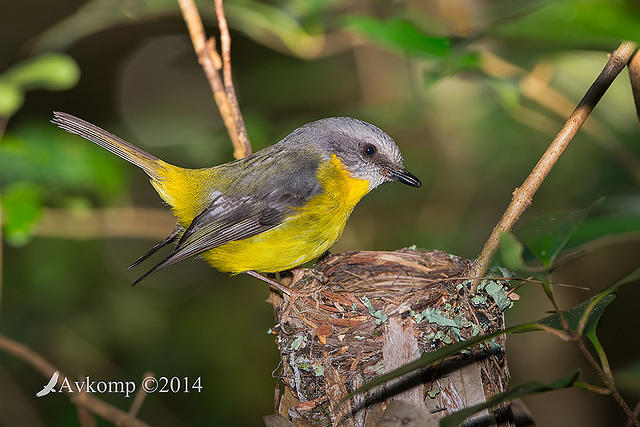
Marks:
<point>293,294</point>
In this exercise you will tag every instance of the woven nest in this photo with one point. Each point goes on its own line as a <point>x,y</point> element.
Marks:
<point>340,333</point>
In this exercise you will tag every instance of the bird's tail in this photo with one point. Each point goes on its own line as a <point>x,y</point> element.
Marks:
<point>154,167</point>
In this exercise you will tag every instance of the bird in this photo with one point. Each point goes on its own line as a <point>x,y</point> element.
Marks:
<point>273,210</point>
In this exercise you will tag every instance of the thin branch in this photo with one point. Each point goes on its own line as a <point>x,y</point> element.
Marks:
<point>210,61</point>
<point>608,380</point>
<point>46,369</point>
<point>225,44</point>
<point>522,196</point>
<point>141,394</point>
<point>593,388</point>
<point>634,77</point>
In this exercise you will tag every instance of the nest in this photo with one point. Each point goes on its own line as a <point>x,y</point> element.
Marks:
<point>361,314</point>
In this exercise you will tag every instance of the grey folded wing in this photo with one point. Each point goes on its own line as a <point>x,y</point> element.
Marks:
<point>252,204</point>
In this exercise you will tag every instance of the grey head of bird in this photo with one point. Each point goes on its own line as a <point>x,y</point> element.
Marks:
<point>365,150</point>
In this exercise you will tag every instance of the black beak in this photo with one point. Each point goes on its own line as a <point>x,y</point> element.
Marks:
<point>405,177</point>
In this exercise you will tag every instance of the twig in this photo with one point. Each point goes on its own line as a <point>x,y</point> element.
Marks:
<point>606,378</point>
<point>522,196</point>
<point>634,77</point>
<point>44,367</point>
<point>141,394</point>
<point>210,61</point>
<point>225,44</point>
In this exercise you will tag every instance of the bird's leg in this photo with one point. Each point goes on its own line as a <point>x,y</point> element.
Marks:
<point>272,283</point>
<point>293,295</point>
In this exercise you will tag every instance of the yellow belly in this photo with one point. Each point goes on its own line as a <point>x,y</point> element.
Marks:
<point>303,236</point>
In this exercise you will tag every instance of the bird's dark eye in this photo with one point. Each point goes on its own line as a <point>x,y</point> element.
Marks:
<point>369,150</point>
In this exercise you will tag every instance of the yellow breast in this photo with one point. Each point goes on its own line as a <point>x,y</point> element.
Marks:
<point>303,236</point>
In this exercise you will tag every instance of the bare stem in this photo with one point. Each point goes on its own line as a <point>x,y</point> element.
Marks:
<point>225,44</point>
<point>141,394</point>
<point>523,195</point>
<point>210,61</point>
<point>84,400</point>
<point>607,379</point>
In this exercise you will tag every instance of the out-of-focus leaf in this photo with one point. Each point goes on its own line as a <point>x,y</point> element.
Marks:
<point>51,71</point>
<point>576,23</point>
<point>511,250</point>
<point>595,228</point>
<point>401,35</point>
<point>11,98</point>
<point>508,93</point>
<point>430,358</point>
<point>450,65</point>
<point>628,377</point>
<point>21,209</point>
<point>262,22</point>
<point>547,235</point>
<point>533,387</point>
<point>97,15</point>
<point>62,163</point>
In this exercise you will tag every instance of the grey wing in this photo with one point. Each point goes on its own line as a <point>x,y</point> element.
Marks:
<point>246,209</point>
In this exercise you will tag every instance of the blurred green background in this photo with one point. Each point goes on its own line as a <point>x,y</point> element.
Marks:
<point>472,91</point>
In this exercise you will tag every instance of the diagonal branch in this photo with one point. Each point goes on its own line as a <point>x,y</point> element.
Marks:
<point>523,195</point>
<point>79,398</point>
<point>209,59</point>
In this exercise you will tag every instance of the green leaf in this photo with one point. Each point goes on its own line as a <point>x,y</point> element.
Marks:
<point>51,71</point>
<point>573,315</point>
<point>21,208</point>
<point>11,98</point>
<point>401,35</point>
<point>41,153</point>
<point>511,250</point>
<point>547,235</point>
<point>605,226</point>
<point>533,387</point>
